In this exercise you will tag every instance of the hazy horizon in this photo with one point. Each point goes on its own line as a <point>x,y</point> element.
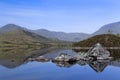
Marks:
<point>60,15</point>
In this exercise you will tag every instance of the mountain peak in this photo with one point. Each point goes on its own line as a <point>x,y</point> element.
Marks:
<point>10,27</point>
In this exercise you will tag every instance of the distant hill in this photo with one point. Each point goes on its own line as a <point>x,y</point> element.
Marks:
<point>112,28</point>
<point>61,35</point>
<point>107,40</point>
<point>11,35</point>
<point>10,27</point>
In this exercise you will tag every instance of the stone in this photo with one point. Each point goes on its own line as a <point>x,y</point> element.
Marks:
<point>41,59</point>
<point>64,58</point>
<point>98,52</point>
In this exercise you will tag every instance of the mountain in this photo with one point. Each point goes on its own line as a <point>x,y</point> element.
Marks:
<point>107,40</point>
<point>11,27</point>
<point>61,35</point>
<point>12,34</point>
<point>112,28</point>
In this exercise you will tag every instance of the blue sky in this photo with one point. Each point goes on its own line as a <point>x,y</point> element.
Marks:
<point>85,16</point>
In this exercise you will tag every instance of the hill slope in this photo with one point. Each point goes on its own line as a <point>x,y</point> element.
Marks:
<point>107,40</point>
<point>112,28</point>
<point>13,34</point>
<point>61,35</point>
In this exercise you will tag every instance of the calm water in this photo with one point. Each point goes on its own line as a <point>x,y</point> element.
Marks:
<point>14,66</point>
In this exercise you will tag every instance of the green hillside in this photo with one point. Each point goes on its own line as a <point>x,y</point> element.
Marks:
<point>21,38</point>
<point>107,40</point>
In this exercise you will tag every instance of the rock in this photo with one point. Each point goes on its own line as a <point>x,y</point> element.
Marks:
<point>31,59</point>
<point>98,52</point>
<point>64,58</point>
<point>74,59</point>
<point>81,56</point>
<point>41,59</point>
<point>102,58</point>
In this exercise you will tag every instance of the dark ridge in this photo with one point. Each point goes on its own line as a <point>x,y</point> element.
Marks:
<point>107,40</point>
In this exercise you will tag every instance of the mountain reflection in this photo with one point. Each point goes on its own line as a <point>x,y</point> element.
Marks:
<point>12,58</point>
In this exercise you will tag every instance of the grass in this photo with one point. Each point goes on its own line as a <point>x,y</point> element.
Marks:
<point>107,40</point>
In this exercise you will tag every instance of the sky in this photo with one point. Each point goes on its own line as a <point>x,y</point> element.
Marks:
<point>83,16</point>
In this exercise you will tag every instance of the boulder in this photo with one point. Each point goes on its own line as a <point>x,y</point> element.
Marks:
<point>64,58</point>
<point>98,52</point>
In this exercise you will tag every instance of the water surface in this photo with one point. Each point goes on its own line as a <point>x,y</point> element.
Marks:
<point>14,66</point>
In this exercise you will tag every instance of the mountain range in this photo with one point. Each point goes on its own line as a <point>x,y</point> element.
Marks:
<point>12,32</point>
<point>61,35</point>
<point>112,28</point>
